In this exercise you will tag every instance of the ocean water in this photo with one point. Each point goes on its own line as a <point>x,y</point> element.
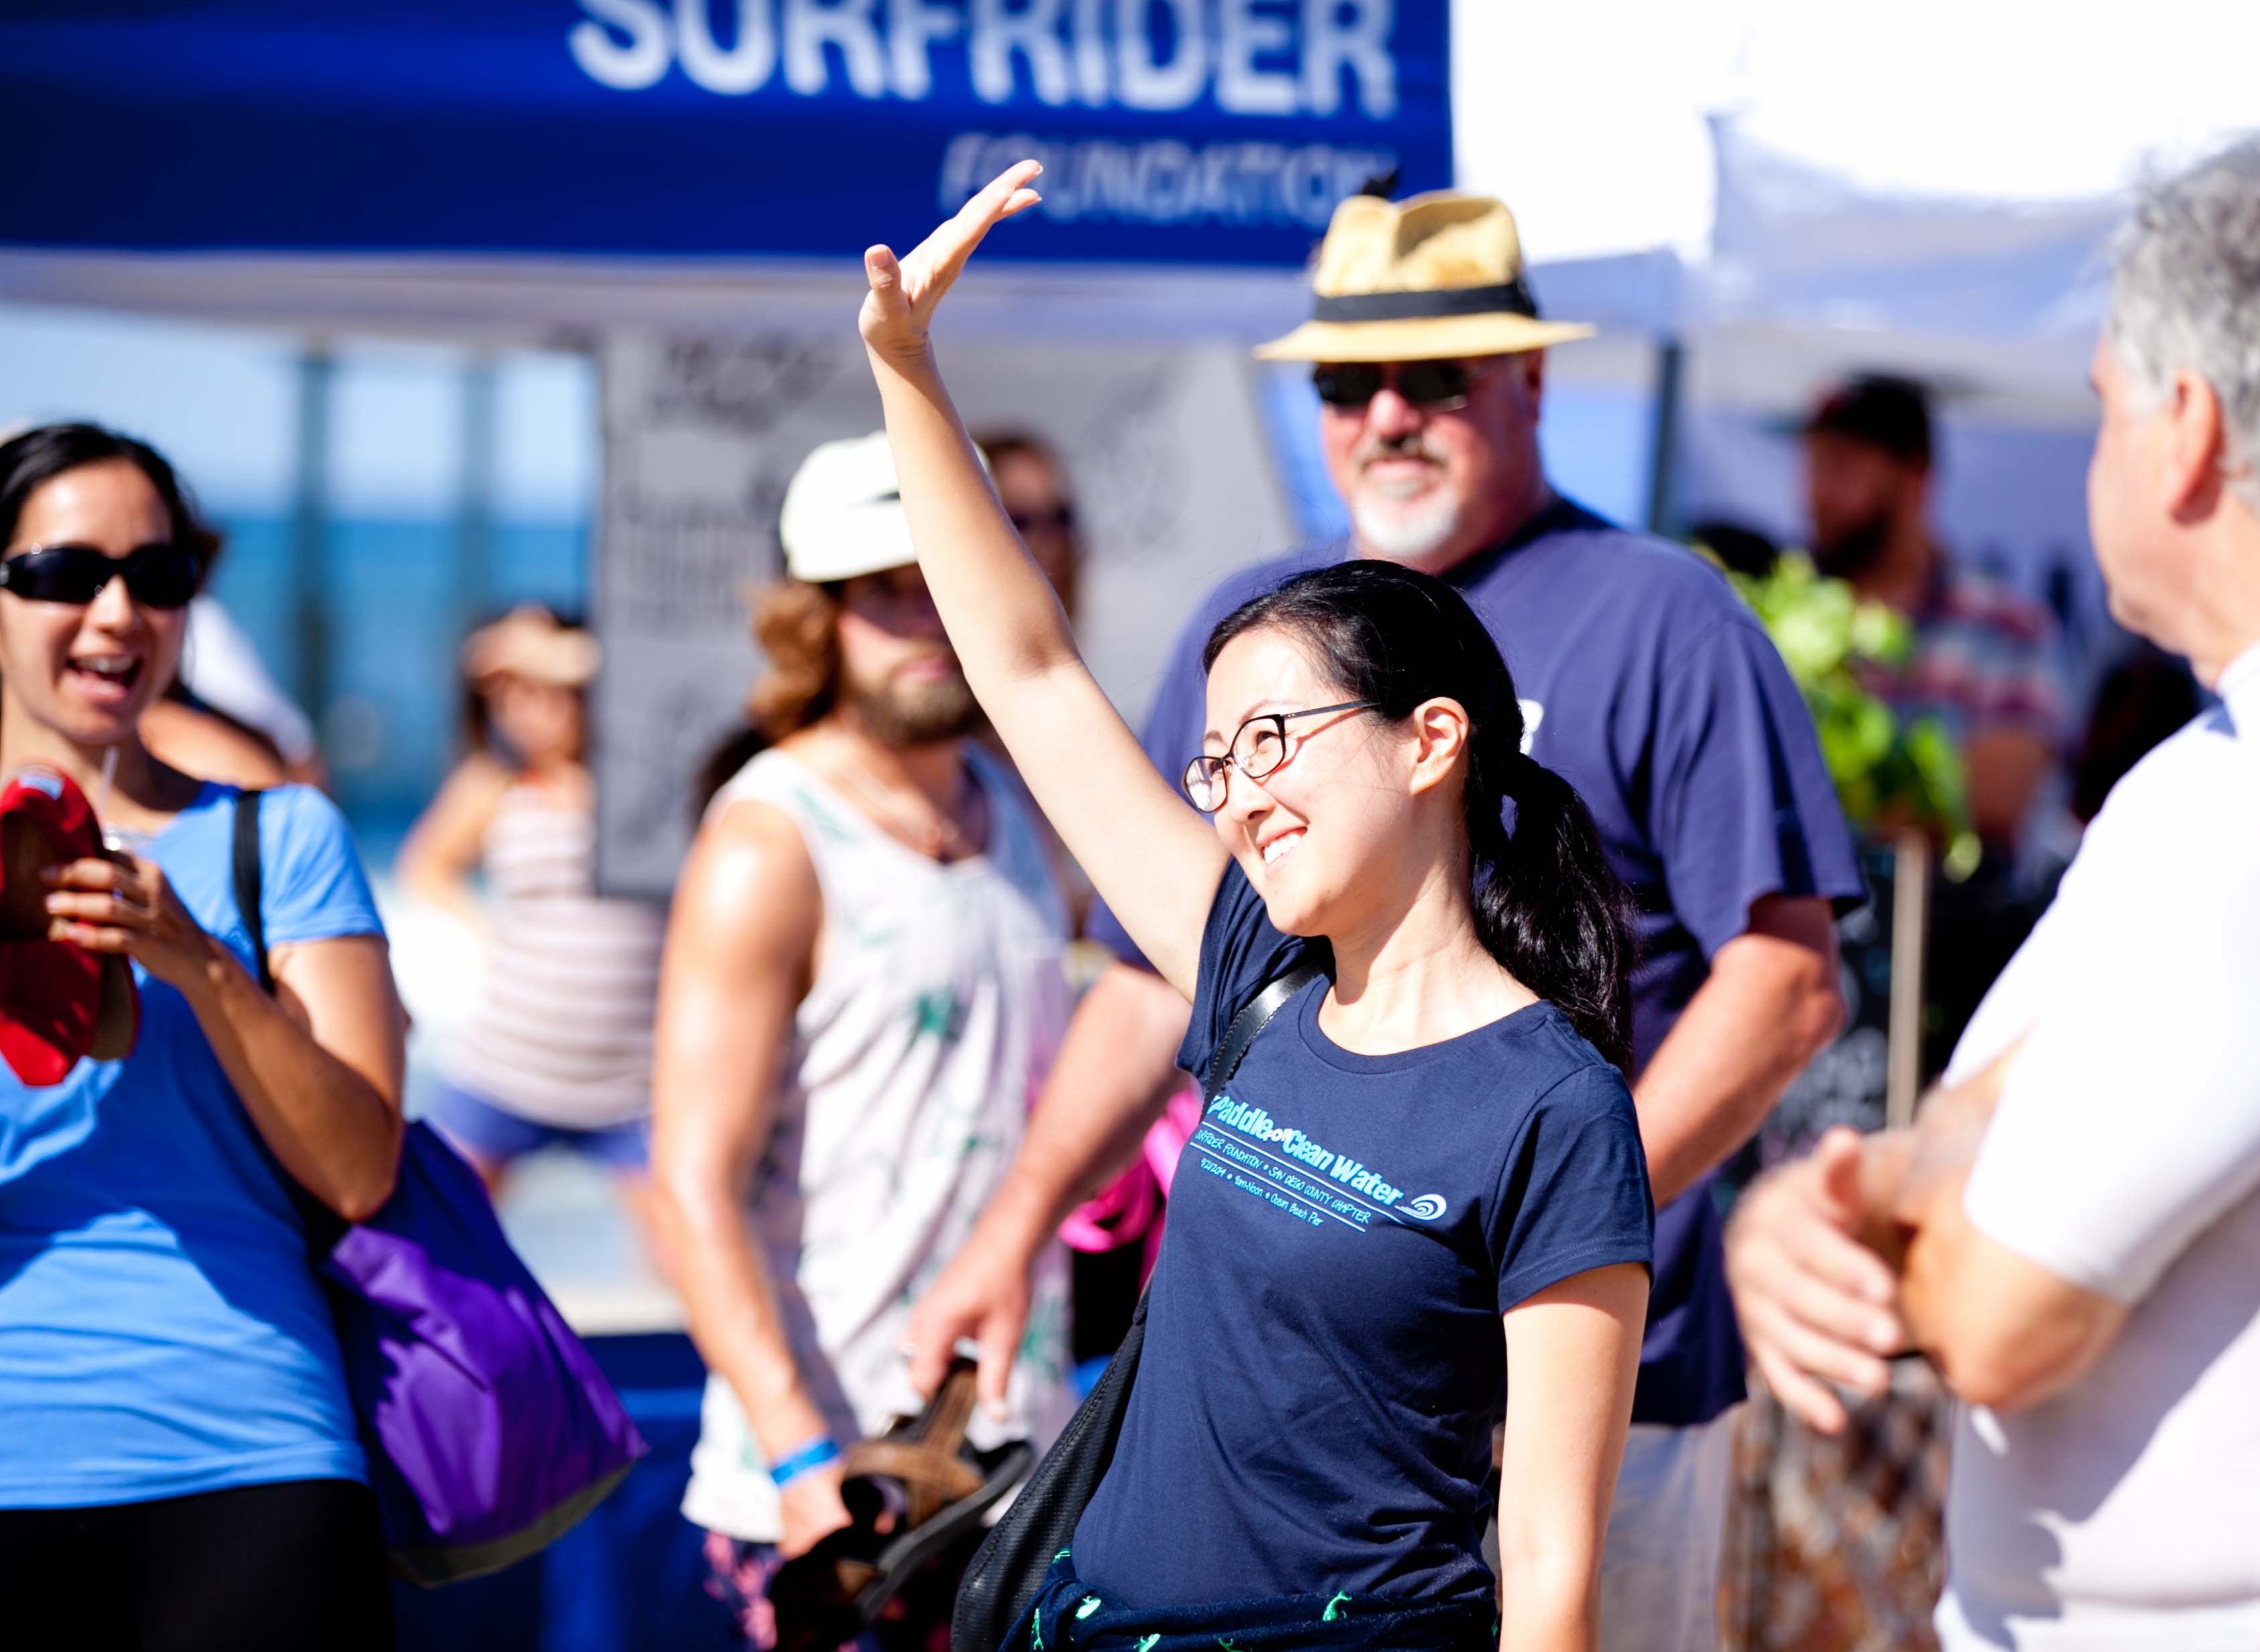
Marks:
<point>394,603</point>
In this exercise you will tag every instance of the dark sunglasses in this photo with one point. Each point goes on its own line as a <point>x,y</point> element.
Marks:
<point>1441,387</point>
<point>160,576</point>
<point>1060,519</point>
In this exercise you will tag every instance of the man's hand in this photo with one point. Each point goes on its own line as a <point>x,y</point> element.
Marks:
<point>812,1510</point>
<point>982,1295</point>
<point>1817,1305</point>
<point>1116,1069</point>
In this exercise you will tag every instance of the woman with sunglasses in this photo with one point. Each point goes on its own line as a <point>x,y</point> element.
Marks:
<point>1423,1190</point>
<point>181,1468</point>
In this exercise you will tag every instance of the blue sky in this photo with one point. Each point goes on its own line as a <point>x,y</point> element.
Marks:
<point>219,403</point>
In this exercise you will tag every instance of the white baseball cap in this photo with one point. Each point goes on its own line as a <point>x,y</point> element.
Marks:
<point>843,514</point>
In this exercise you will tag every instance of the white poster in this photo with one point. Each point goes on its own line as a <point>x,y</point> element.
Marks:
<point>1166,459</point>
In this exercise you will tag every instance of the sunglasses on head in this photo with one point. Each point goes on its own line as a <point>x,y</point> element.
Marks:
<point>160,575</point>
<point>1439,387</point>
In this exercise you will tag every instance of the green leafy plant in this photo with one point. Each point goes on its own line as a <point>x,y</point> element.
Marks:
<point>1892,774</point>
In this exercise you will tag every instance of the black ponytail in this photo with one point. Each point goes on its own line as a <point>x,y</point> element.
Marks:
<point>1546,903</point>
<point>1551,908</point>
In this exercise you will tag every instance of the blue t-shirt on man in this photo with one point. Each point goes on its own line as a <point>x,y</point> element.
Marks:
<point>1650,687</point>
<point>161,1332</point>
<point>1323,1359</point>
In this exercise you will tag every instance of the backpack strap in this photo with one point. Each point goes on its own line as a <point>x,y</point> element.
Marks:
<point>250,884</point>
<point>1254,1017</point>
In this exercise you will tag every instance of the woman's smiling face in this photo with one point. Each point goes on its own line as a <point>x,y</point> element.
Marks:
<point>88,670</point>
<point>1307,833</point>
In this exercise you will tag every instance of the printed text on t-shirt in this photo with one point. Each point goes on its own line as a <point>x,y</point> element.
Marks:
<point>1336,1185</point>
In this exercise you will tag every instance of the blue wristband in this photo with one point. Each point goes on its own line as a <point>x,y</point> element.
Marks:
<point>814,1454</point>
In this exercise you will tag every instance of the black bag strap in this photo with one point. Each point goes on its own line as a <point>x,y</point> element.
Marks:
<point>250,883</point>
<point>1254,1017</point>
<point>1001,1581</point>
<point>323,1226</point>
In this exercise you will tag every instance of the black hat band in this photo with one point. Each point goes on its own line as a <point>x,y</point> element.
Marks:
<point>1509,297</point>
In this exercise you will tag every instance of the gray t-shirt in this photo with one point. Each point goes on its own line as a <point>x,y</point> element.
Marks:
<point>2125,1158</point>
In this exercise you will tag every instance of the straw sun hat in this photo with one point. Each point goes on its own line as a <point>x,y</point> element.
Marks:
<point>534,645</point>
<point>1432,278</point>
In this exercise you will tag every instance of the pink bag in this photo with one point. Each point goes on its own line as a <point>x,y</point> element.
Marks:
<point>1131,1207</point>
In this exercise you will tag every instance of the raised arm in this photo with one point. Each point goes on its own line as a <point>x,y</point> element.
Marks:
<point>1155,860</point>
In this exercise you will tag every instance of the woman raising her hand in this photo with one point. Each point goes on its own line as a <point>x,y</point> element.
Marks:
<point>1424,1188</point>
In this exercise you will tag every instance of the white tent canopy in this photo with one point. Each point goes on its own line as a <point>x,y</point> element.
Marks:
<point>529,300</point>
<point>1995,302</point>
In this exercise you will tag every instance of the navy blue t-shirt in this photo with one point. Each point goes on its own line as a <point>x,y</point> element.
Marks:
<point>1650,687</point>
<point>1324,1360</point>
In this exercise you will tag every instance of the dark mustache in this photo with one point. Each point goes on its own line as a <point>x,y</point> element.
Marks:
<point>1413,444</point>
<point>934,656</point>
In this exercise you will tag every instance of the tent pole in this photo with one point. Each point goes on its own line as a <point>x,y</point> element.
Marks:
<point>474,509</point>
<point>309,531</point>
<point>1663,437</point>
<point>1909,940</point>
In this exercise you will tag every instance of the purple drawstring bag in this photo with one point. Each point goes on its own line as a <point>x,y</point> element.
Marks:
<point>490,1429</point>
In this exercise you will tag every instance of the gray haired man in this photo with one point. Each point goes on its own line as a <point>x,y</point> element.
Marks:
<point>2073,1230</point>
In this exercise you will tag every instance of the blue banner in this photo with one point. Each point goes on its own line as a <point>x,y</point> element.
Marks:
<point>1209,131</point>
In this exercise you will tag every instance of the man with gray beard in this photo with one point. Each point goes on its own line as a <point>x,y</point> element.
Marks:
<point>1654,691</point>
<point>861,989</point>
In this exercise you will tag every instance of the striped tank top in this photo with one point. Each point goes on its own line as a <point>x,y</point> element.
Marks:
<point>562,1032</point>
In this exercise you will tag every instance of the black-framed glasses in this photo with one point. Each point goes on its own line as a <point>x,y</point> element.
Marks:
<point>1259,746</point>
<point>1438,387</point>
<point>159,576</point>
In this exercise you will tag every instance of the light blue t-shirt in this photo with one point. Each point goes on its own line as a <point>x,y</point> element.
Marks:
<point>161,1332</point>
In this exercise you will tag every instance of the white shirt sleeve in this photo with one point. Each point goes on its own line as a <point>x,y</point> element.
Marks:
<point>223,669</point>
<point>2131,1121</point>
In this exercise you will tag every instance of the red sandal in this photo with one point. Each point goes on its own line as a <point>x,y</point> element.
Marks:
<point>59,1003</point>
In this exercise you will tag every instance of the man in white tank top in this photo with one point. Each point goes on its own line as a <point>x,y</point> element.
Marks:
<point>861,994</point>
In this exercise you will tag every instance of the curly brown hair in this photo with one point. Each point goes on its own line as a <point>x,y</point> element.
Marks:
<point>798,626</point>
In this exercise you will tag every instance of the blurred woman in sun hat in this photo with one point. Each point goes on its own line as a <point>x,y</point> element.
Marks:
<point>558,1049</point>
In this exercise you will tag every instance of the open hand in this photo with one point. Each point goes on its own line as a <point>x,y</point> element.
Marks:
<point>900,308</point>
<point>126,906</point>
<point>1817,1305</point>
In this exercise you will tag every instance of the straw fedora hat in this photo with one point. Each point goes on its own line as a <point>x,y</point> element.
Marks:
<point>1432,278</point>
